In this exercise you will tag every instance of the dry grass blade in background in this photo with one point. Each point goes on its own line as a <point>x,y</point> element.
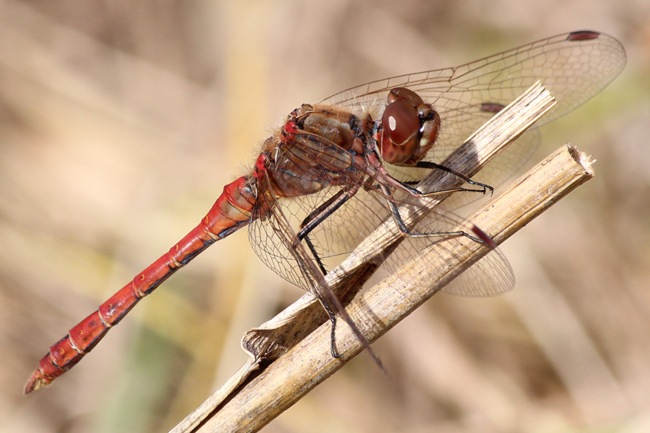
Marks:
<point>470,158</point>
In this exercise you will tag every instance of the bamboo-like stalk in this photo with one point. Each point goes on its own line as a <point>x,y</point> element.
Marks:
<point>309,362</point>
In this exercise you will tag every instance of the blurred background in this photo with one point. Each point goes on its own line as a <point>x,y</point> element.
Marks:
<point>120,122</point>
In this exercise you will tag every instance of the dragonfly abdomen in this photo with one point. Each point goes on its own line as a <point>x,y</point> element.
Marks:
<point>231,211</point>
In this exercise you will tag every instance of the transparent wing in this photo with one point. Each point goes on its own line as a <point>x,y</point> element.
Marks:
<point>274,225</point>
<point>338,234</point>
<point>342,230</point>
<point>491,275</point>
<point>573,67</point>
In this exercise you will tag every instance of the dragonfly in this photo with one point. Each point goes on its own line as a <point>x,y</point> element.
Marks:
<point>339,168</point>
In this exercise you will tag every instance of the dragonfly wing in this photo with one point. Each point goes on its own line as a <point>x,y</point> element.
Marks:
<point>489,276</point>
<point>502,166</point>
<point>343,230</point>
<point>338,234</point>
<point>573,67</point>
<point>293,253</point>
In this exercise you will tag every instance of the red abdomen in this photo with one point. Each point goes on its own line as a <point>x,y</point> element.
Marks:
<point>231,211</point>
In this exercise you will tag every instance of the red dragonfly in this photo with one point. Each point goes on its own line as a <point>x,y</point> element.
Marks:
<point>339,168</point>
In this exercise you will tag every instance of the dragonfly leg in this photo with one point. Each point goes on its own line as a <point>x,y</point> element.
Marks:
<point>333,350</point>
<point>312,248</point>
<point>432,165</point>
<point>483,188</point>
<point>481,237</point>
<point>322,212</point>
<point>317,216</point>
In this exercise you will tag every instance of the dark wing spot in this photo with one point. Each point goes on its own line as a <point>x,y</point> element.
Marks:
<point>582,35</point>
<point>492,107</point>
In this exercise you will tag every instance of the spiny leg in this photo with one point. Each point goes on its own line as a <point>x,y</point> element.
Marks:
<point>320,214</point>
<point>312,248</point>
<point>481,237</point>
<point>312,221</point>
<point>484,188</point>
<point>333,350</point>
<point>330,313</point>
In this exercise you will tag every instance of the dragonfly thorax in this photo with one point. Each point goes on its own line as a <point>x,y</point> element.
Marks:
<point>340,127</point>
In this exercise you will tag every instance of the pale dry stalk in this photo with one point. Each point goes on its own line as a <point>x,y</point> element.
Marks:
<point>283,382</point>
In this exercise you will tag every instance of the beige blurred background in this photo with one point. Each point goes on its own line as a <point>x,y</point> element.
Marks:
<point>120,122</point>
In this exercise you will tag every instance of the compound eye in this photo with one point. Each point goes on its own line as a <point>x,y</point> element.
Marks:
<point>404,94</point>
<point>401,121</point>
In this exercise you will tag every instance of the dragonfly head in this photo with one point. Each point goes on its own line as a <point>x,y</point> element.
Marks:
<point>409,128</point>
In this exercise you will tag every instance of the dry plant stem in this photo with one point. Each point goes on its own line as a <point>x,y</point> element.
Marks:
<point>476,152</point>
<point>380,308</point>
<point>469,158</point>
